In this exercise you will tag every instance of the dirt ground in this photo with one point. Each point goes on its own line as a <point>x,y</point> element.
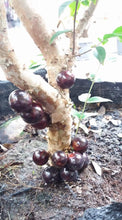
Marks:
<point>24,195</point>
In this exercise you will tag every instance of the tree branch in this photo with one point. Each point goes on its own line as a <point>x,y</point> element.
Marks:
<point>86,17</point>
<point>23,78</point>
<point>36,27</point>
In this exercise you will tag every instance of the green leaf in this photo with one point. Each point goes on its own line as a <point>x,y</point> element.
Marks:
<point>62,7</point>
<point>57,34</point>
<point>72,7</point>
<point>100,54</point>
<point>5,124</point>
<point>116,33</point>
<point>85,2</point>
<point>34,66</point>
<point>107,36</point>
<point>83,97</point>
<point>77,114</point>
<point>96,99</point>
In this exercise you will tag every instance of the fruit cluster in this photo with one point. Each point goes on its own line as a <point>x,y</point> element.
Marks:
<point>65,166</point>
<point>30,110</point>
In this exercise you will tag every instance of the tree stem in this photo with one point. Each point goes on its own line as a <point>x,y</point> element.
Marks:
<point>84,107</point>
<point>74,25</point>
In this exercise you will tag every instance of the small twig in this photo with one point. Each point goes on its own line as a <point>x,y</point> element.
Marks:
<point>74,24</point>
<point>24,185</point>
<point>21,191</point>
<point>80,54</point>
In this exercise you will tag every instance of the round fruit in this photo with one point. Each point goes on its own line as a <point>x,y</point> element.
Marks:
<point>65,79</point>
<point>68,175</point>
<point>79,144</point>
<point>43,123</point>
<point>20,101</point>
<point>51,174</point>
<point>86,160</point>
<point>75,161</point>
<point>35,115</point>
<point>59,159</point>
<point>40,157</point>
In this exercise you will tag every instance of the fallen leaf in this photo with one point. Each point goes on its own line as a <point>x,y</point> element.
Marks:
<point>2,148</point>
<point>92,122</point>
<point>86,130</point>
<point>8,146</point>
<point>119,135</point>
<point>102,110</point>
<point>97,168</point>
<point>115,122</point>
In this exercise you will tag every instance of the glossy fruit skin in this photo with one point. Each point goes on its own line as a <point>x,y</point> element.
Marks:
<point>86,161</point>
<point>40,157</point>
<point>20,101</point>
<point>51,175</point>
<point>59,159</point>
<point>79,144</point>
<point>65,79</point>
<point>34,116</point>
<point>43,123</point>
<point>68,175</point>
<point>75,161</point>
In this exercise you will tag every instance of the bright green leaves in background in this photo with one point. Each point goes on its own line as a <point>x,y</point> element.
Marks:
<point>63,6</point>
<point>57,34</point>
<point>116,33</point>
<point>72,5</point>
<point>100,54</point>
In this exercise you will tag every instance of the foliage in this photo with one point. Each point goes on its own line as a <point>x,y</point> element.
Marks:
<point>116,33</point>
<point>57,34</point>
<point>100,54</point>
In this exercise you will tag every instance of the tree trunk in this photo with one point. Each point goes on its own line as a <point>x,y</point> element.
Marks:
<point>55,101</point>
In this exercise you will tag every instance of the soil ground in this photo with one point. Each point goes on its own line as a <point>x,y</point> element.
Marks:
<point>24,195</point>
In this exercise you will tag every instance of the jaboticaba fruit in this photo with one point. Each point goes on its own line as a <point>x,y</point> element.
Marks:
<point>68,175</point>
<point>35,115</point>
<point>79,144</point>
<point>40,157</point>
<point>43,123</point>
<point>86,160</point>
<point>20,101</point>
<point>75,161</point>
<point>65,79</point>
<point>51,175</point>
<point>59,159</point>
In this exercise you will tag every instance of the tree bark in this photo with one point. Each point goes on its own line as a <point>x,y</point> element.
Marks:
<point>85,19</point>
<point>55,101</point>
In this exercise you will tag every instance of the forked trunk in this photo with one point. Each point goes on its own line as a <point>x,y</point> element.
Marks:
<point>55,101</point>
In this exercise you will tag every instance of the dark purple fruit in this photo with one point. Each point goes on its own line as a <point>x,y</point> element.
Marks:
<point>59,159</point>
<point>40,157</point>
<point>65,79</point>
<point>79,144</point>
<point>35,115</point>
<point>51,175</point>
<point>75,161</point>
<point>43,123</point>
<point>68,175</point>
<point>20,101</point>
<point>86,160</point>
